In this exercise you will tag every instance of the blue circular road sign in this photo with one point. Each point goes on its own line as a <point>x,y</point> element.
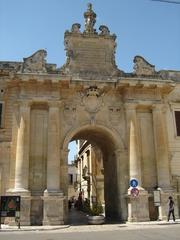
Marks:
<point>133,182</point>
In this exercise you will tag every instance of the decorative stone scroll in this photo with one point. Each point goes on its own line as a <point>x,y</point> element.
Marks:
<point>76,28</point>
<point>142,67</point>
<point>36,63</point>
<point>104,30</point>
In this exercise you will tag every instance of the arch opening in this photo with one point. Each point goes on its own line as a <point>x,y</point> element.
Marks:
<point>97,168</point>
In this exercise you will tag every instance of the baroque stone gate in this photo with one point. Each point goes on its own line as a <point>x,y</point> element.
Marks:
<point>132,117</point>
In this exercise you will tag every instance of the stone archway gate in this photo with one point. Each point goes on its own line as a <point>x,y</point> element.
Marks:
<point>44,105</point>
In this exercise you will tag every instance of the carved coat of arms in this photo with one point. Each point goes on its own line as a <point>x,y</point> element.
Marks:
<point>92,100</point>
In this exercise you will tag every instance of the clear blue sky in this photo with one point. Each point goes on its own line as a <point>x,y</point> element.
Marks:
<point>143,27</point>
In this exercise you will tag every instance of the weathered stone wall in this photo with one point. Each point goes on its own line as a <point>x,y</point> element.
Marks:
<point>4,166</point>
<point>173,104</point>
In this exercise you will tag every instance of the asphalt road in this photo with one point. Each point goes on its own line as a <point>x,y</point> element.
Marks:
<point>162,232</point>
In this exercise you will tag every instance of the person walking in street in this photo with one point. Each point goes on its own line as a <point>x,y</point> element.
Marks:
<point>171,208</point>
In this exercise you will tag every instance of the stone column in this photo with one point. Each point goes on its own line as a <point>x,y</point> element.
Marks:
<point>22,149</point>
<point>21,181</point>
<point>162,158</point>
<point>138,207</point>
<point>53,211</point>
<point>133,143</point>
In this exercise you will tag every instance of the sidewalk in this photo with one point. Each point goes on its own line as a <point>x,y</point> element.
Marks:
<point>78,223</point>
<point>87,228</point>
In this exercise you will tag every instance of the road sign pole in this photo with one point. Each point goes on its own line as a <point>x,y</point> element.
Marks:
<point>136,210</point>
<point>0,218</point>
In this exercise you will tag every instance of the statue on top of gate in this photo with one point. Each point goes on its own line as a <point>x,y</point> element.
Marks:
<point>90,20</point>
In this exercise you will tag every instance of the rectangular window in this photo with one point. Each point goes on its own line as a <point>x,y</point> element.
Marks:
<point>1,109</point>
<point>70,179</point>
<point>177,119</point>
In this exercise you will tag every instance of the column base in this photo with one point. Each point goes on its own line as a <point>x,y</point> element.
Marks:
<point>24,207</point>
<point>138,207</point>
<point>163,208</point>
<point>53,210</point>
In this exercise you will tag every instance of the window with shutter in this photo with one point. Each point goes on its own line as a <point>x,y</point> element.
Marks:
<point>177,119</point>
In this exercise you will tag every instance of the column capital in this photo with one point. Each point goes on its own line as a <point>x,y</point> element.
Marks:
<point>54,104</point>
<point>130,106</point>
<point>158,107</point>
<point>23,103</point>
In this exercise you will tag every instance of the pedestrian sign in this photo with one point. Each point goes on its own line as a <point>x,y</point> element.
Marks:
<point>134,183</point>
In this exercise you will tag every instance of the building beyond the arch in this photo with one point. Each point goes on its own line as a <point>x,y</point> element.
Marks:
<point>134,118</point>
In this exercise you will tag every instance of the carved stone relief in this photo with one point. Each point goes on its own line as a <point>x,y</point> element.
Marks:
<point>75,28</point>
<point>92,99</point>
<point>142,67</point>
<point>104,30</point>
<point>36,63</point>
<point>69,113</point>
<point>115,112</point>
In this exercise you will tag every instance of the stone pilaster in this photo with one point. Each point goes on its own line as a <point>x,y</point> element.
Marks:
<point>122,183</point>
<point>64,179</point>
<point>162,158</point>
<point>53,155</point>
<point>64,170</point>
<point>53,196</point>
<point>161,147</point>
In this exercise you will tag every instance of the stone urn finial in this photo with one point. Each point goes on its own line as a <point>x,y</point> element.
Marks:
<point>90,19</point>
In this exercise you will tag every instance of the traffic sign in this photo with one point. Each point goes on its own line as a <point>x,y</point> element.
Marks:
<point>134,183</point>
<point>134,192</point>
